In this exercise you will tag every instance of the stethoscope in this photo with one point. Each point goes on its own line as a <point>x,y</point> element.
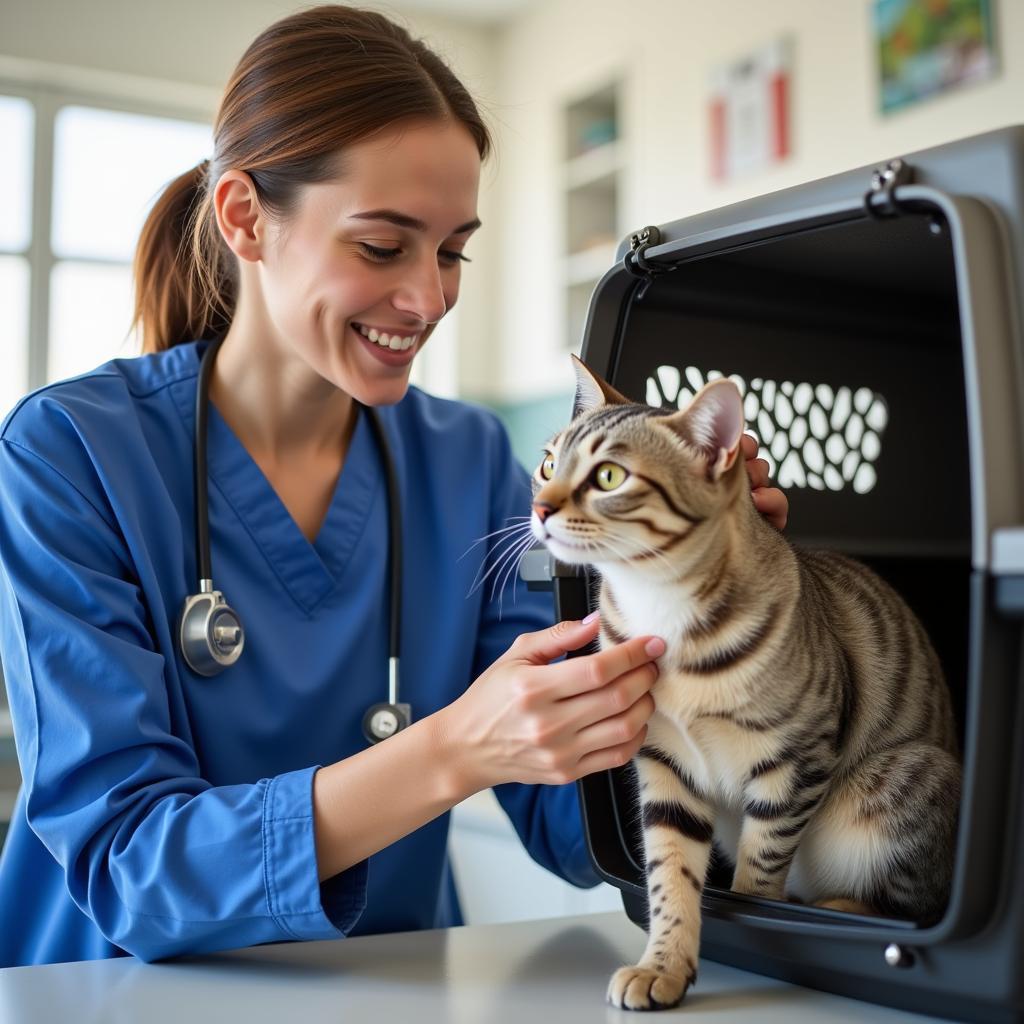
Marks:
<point>210,632</point>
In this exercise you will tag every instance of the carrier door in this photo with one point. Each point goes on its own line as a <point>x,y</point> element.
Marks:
<point>878,359</point>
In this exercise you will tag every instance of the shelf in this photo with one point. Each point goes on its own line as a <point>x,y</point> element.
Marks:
<point>596,168</point>
<point>590,265</point>
<point>593,178</point>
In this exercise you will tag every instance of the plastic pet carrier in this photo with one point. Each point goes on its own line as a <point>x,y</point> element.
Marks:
<point>873,322</point>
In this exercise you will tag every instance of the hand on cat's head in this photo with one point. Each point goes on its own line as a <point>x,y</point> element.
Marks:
<point>769,501</point>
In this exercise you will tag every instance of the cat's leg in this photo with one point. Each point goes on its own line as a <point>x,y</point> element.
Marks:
<point>780,797</point>
<point>677,827</point>
<point>886,837</point>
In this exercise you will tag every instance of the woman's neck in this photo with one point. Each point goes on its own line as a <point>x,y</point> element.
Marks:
<point>277,406</point>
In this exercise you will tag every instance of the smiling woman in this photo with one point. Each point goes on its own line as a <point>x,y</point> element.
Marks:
<point>165,811</point>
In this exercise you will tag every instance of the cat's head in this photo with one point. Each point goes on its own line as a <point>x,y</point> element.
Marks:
<point>627,483</point>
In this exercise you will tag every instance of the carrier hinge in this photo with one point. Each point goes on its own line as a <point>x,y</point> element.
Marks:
<point>884,181</point>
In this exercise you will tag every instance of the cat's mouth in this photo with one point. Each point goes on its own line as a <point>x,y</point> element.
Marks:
<point>569,551</point>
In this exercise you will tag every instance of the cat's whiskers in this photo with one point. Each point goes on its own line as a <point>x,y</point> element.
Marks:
<point>494,533</point>
<point>514,537</point>
<point>512,567</point>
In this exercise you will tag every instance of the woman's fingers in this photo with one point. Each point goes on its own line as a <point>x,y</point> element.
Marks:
<point>773,505</point>
<point>592,672</point>
<point>610,757</point>
<point>584,709</point>
<point>546,645</point>
<point>769,501</point>
<point>618,729</point>
<point>757,470</point>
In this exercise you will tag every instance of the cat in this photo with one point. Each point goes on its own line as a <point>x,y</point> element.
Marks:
<point>802,721</point>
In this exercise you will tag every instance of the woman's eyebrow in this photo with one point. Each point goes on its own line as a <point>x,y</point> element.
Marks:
<point>403,220</point>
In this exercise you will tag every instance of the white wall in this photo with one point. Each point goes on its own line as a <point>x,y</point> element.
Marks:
<point>663,49</point>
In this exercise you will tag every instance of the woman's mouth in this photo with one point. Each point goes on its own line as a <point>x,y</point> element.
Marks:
<point>393,340</point>
<point>389,347</point>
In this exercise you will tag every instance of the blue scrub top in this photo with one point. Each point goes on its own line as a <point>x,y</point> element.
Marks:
<point>165,813</point>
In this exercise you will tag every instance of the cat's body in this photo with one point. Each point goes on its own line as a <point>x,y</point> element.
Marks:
<point>802,719</point>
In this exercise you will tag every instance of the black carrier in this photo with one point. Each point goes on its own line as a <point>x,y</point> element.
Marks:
<point>873,322</point>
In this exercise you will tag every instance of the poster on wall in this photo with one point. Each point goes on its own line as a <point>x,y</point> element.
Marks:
<point>749,111</point>
<point>927,47</point>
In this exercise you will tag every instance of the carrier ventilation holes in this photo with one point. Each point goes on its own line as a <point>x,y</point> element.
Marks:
<point>811,435</point>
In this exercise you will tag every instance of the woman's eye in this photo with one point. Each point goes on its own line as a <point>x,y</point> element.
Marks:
<point>378,253</point>
<point>547,467</point>
<point>609,475</point>
<point>451,257</point>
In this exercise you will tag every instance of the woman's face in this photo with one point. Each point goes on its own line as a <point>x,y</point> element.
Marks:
<point>355,280</point>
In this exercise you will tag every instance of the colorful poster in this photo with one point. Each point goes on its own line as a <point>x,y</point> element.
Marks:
<point>928,46</point>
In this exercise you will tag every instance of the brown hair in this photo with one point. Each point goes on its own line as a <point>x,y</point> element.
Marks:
<point>308,86</point>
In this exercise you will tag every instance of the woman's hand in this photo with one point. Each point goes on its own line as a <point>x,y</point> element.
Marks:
<point>769,501</point>
<point>525,720</point>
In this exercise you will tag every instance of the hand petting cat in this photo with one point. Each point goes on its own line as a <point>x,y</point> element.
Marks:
<point>769,501</point>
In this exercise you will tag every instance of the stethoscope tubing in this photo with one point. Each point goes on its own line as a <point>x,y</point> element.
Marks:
<point>202,525</point>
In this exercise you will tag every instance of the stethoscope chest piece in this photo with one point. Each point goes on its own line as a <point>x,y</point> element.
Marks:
<point>210,632</point>
<point>385,719</point>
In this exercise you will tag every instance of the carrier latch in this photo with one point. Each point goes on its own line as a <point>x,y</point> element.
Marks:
<point>639,242</point>
<point>884,181</point>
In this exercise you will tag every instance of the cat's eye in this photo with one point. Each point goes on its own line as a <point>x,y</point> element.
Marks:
<point>610,475</point>
<point>547,467</point>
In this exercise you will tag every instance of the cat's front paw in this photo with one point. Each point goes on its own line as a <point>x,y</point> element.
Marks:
<point>643,988</point>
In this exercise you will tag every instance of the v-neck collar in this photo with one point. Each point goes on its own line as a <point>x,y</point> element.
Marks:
<point>309,571</point>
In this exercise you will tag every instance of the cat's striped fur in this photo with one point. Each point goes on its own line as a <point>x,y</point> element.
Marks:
<point>802,719</point>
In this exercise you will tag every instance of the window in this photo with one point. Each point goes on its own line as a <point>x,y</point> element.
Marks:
<point>17,125</point>
<point>67,299</point>
<point>108,169</point>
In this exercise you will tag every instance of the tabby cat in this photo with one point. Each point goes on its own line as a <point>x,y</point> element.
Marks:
<point>802,720</point>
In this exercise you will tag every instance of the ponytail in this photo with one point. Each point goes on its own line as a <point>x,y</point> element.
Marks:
<point>183,286</point>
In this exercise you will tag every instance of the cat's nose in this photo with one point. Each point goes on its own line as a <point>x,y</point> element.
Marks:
<point>543,509</point>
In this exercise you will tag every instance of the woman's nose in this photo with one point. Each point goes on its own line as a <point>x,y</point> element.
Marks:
<point>422,293</point>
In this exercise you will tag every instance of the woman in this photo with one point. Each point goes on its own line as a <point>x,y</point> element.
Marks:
<point>168,812</point>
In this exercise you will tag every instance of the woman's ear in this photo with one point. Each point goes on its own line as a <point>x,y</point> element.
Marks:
<point>239,215</point>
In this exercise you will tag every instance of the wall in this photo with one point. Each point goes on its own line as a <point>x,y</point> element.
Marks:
<point>663,50</point>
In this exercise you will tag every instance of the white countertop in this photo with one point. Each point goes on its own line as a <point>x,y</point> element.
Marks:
<point>554,970</point>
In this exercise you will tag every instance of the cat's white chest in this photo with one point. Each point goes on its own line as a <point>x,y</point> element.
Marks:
<point>648,609</point>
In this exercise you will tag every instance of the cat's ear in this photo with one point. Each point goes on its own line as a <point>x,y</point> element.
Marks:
<point>593,390</point>
<point>713,423</point>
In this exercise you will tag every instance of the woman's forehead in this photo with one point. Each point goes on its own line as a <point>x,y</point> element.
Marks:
<point>422,178</point>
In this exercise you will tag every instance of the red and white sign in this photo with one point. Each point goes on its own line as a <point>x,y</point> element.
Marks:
<point>749,111</point>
